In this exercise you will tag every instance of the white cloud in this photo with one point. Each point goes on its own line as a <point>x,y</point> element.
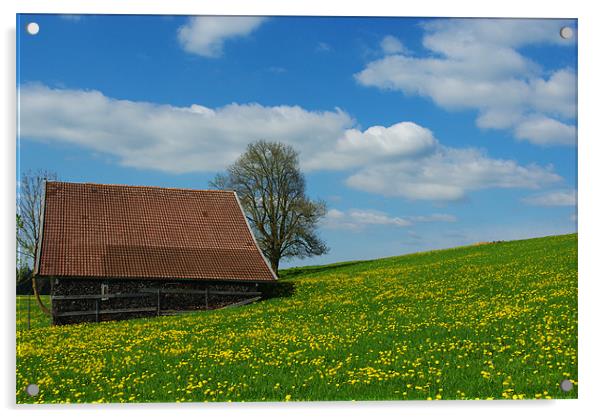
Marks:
<point>477,65</point>
<point>277,70</point>
<point>553,198</point>
<point>323,47</point>
<point>205,35</point>
<point>448,174</point>
<point>358,219</point>
<point>376,144</point>
<point>391,45</point>
<point>542,130</point>
<point>169,138</point>
<point>436,217</point>
<point>557,94</point>
<point>457,36</point>
<point>403,159</point>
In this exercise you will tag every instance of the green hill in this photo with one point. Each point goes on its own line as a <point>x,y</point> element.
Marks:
<point>486,321</point>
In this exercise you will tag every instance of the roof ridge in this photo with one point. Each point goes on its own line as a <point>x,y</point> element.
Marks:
<point>134,186</point>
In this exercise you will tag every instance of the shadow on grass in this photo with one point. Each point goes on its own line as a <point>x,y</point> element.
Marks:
<point>285,286</point>
<point>276,290</point>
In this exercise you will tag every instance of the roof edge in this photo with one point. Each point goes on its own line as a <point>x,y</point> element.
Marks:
<point>265,260</point>
<point>163,279</point>
<point>139,186</point>
<point>38,254</point>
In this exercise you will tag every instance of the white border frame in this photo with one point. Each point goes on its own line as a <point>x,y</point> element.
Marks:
<point>589,170</point>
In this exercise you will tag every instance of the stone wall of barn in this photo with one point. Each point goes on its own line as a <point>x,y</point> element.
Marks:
<point>76,300</point>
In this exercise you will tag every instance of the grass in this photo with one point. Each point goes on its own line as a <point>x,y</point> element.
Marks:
<point>29,316</point>
<point>495,321</point>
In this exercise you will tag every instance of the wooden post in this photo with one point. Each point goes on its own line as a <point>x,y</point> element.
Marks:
<point>37,295</point>
<point>158,302</point>
<point>28,311</point>
<point>97,309</point>
<point>207,298</point>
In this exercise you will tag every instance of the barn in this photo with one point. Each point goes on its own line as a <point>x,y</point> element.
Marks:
<point>118,251</point>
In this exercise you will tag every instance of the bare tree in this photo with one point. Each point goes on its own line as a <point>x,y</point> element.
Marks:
<point>20,256</point>
<point>271,188</point>
<point>29,217</point>
<point>31,194</point>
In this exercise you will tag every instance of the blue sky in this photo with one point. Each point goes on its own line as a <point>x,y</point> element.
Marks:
<point>418,133</point>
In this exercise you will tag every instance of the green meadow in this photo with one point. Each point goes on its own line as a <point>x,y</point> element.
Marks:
<point>491,321</point>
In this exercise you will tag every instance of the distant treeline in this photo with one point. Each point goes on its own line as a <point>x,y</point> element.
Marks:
<point>24,283</point>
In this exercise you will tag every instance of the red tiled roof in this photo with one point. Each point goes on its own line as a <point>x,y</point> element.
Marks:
<point>115,231</point>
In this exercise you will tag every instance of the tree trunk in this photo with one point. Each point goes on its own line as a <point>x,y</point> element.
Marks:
<point>37,295</point>
<point>274,263</point>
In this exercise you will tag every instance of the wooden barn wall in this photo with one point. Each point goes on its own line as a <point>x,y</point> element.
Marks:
<point>168,302</point>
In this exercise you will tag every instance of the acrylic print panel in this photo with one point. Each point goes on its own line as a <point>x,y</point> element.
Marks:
<point>295,209</point>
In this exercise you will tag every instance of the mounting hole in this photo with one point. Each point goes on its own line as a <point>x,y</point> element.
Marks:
<point>32,28</point>
<point>566,32</point>
<point>32,389</point>
<point>566,385</point>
